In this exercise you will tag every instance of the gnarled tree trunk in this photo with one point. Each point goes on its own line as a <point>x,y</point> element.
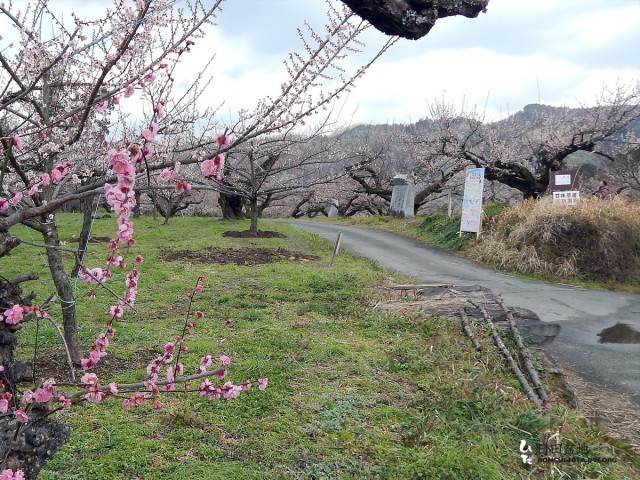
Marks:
<point>23,446</point>
<point>231,206</point>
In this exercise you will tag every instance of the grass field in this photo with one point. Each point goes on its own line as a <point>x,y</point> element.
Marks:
<point>353,392</point>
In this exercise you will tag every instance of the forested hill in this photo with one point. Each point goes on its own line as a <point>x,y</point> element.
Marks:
<point>530,114</point>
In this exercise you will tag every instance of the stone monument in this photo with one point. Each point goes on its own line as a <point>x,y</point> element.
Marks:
<point>333,208</point>
<point>402,197</point>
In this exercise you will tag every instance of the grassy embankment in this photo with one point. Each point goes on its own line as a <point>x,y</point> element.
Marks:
<point>353,392</point>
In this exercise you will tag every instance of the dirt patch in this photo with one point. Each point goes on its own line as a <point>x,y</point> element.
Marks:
<point>614,412</point>
<point>99,239</point>
<point>248,234</point>
<point>238,256</point>
<point>52,362</point>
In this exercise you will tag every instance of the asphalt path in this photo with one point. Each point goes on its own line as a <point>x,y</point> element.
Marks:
<point>582,313</point>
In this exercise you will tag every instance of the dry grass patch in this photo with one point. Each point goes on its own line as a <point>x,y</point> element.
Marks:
<point>594,240</point>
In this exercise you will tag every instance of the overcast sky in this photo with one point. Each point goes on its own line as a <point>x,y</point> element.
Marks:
<point>556,52</point>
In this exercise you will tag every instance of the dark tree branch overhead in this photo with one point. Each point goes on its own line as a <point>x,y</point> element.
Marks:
<point>412,19</point>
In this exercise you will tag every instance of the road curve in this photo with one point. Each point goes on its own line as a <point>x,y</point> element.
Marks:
<point>582,313</point>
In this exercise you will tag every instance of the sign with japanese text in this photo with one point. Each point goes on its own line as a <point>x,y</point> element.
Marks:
<point>472,200</point>
<point>570,197</point>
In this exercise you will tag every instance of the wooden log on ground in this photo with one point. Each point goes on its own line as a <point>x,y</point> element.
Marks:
<point>467,330</point>
<point>531,395</point>
<point>419,287</point>
<point>524,355</point>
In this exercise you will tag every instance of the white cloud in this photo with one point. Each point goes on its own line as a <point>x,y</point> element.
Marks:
<point>519,52</point>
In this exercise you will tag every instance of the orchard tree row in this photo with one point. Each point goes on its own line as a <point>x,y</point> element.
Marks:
<point>89,112</point>
<point>297,173</point>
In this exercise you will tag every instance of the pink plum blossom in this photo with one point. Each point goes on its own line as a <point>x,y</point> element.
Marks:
<point>102,342</point>
<point>230,391</point>
<point>45,179</point>
<point>208,168</point>
<point>16,198</point>
<point>262,383</point>
<point>205,362</point>
<point>89,379</point>
<point>14,315</point>
<point>166,176</point>
<point>182,186</point>
<point>128,91</point>
<point>27,397</point>
<point>42,395</point>
<point>147,151</point>
<point>159,111</point>
<point>101,106</point>
<point>224,360</point>
<point>93,276</point>
<point>223,140</point>
<point>9,474</point>
<point>66,403</point>
<point>17,142</point>
<point>149,133</point>
<point>4,205</point>
<point>56,175</point>
<point>21,416</point>
<point>60,171</point>
<point>94,396</point>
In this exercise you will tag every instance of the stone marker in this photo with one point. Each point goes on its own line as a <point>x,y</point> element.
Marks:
<point>402,197</point>
<point>333,209</point>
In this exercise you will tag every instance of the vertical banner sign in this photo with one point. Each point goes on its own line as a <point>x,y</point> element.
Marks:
<point>472,200</point>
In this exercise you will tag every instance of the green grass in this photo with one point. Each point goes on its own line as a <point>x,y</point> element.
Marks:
<point>353,392</point>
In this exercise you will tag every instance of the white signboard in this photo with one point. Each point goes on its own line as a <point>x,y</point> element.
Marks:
<point>566,198</point>
<point>472,200</point>
<point>563,179</point>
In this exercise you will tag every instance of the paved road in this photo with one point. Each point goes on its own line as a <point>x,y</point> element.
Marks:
<point>582,313</point>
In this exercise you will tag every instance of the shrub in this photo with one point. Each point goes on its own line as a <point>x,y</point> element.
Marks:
<point>594,240</point>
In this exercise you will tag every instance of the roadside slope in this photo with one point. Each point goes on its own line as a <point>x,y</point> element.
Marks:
<point>582,313</point>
